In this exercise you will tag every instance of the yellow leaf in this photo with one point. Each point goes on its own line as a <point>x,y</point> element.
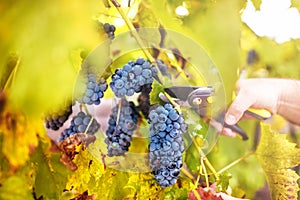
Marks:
<point>256,4</point>
<point>19,135</point>
<point>88,173</point>
<point>278,156</point>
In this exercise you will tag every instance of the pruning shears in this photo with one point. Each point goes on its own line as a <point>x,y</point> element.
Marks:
<point>199,99</point>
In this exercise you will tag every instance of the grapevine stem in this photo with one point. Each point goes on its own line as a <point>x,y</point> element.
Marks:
<point>198,179</point>
<point>118,116</point>
<point>89,125</point>
<point>210,167</point>
<point>235,162</point>
<point>205,172</point>
<point>12,75</point>
<point>196,194</point>
<point>187,173</point>
<point>207,163</point>
<point>133,31</point>
<point>176,106</point>
<point>85,108</point>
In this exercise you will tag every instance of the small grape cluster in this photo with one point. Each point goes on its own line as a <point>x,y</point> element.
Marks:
<point>109,30</point>
<point>122,123</point>
<point>57,120</point>
<point>94,90</point>
<point>80,123</point>
<point>166,144</point>
<point>130,79</point>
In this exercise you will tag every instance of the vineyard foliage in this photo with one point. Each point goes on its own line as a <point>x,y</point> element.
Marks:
<point>43,47</point>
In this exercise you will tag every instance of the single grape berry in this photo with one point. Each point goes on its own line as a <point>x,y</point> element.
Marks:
<point>94,90</point>
<point>252,57</point>
<point>166,144</point>
<point>56,120</point>
<point>109,30</point>
<point>81,123</point>
<point>122,124</point>
<point>130,79</point>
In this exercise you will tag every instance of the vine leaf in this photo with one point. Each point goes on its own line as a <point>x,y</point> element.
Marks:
<point>88,173</point>
<point>50,173</point>
<point>143,186</point>
<point>8,70</point>
<point>278,156</point>
<point>84,196</point>
<point>256,4</point>
<point>15,187</point>
<point>113,181</point>
<point>154,95</point>
<point>18,132</point>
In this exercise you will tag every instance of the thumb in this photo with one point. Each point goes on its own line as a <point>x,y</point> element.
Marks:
<point>236,110</point>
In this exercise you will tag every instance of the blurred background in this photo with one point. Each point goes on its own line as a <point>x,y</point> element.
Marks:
<point>42,43</point>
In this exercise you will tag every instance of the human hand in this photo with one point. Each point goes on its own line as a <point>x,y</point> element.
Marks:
<point>278,96</point>
<point>259,93</point>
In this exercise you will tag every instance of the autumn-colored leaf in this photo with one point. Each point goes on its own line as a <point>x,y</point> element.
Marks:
<point>70,146</point>
<point>204,194</point>
<point>19,135</point>
<point>278,156</point>
<point>84,196</point>
<point>88,172</point>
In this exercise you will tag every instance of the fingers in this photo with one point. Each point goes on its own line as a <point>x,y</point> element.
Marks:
<point>236,110</point>
<point>228,132</point>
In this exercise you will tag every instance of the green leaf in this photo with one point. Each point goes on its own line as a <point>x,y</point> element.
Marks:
<point>223,183</point>
<point>176,193</point>
<point>144,19</point>
<point>45,74</point>
<point>143,186</point>
<point>154,95</point>
<point>195,138</point>
<point>51,174</point>
<point>10,66</point>
<point>277,156</point>
<point>113,181</point>
<point>15,188</point>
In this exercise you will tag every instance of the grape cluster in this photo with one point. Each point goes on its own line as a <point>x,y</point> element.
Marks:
<point>166,144</point>
<point>109,30</point>
<point>130,79</point>
<point>122,123</point>
<point>57,120</point>
<point>94,90</point>
<point>79,124</point>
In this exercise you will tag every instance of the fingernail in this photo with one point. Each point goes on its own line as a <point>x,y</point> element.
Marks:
<point>230,119</point>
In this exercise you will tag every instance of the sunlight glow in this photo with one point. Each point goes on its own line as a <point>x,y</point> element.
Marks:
<point>275,19</point>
